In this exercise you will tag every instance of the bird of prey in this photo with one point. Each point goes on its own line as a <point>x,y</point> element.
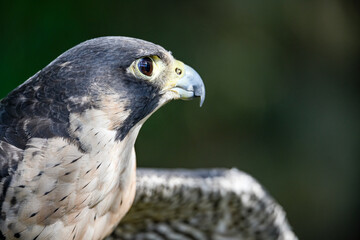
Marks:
<point>67,136</point>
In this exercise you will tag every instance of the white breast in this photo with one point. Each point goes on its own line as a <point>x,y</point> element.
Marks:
<point>65,193</point>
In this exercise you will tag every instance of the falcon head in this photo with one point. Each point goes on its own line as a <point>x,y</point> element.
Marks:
<point>125,79</point>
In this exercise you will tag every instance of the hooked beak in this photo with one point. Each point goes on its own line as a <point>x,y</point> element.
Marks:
<point>190,85</point>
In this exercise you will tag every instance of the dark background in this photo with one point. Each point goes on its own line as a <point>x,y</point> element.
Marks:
<point>282,90</point>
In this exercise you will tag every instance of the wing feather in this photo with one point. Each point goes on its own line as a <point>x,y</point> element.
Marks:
<point>202,204</point>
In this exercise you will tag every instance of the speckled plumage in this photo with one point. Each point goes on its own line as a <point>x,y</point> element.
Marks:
<point>202,204</point>
<point>67,138</point>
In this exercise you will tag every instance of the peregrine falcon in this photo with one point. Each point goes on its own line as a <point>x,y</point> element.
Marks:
<point>67,136</point>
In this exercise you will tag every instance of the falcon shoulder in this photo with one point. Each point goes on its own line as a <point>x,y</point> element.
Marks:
<point>202,204</point>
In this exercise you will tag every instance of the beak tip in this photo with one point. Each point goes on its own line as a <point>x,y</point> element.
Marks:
<point>199,90</point>
<point>202,98</point>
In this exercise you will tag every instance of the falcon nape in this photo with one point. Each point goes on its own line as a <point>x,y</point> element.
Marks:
<point>67,136</point>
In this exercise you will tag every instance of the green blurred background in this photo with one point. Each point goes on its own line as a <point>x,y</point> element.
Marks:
<point>282,90</point>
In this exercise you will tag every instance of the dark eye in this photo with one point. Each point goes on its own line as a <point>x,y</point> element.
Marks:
<point>145,66</point>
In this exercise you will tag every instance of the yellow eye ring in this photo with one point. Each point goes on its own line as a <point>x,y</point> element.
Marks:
<point>147,67</point>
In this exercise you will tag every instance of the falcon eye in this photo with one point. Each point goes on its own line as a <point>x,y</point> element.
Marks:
<point>145,66</point>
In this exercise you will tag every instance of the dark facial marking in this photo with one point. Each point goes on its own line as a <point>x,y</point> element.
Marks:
<point>145,98</point>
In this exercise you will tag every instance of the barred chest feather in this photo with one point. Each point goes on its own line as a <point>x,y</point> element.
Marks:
<point>65,191</point>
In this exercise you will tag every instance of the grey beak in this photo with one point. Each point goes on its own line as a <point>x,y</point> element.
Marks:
<point>190,85</point>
